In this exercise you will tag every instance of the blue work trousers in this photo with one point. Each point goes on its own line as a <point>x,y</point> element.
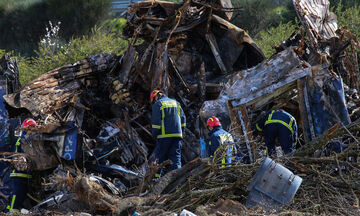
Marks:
<point>169,148</point>
<point>19,188</point>
<point>284,135</point>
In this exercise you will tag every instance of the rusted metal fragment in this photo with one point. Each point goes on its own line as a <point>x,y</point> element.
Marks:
<point>236,46</point>
<point>55,89</point>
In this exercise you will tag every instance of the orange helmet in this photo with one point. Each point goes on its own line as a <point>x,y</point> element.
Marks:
<point>154,93</point>
<point>213,122</point>
<point>27,122</point>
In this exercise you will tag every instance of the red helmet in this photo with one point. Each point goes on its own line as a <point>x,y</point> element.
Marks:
<point>154,93</point>
<point>27,122</point>
<point>213,122</point>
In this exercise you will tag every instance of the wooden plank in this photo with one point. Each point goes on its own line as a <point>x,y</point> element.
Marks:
<point>270,89</point>
<point>262,101</point>
<point>242,114</point>
<point>309,117</point>
<point>303,112</point>
<point>216,52</point>
<point>235,122</point>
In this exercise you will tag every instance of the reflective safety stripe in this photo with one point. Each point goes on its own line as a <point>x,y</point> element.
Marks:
<point>163,122</point>
<point>18,141</point>
<point>209,142</point>
<point>11,207</point>
<point>223,162</point>
<point>21,175</point>
<point>17,144</point>
<point>257,127</point>
<point>289,126</point>
<point>157,175</point>
<point>168,104</point>
<point>281,122</point>
<point>170,135</point>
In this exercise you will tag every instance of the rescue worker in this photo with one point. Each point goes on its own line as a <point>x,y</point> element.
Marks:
<point>278,124</point>
<point>168,122</point>
<point>19,180</point>
<point>218,136</point>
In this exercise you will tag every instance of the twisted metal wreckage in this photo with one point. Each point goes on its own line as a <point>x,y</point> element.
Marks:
<point>94,115</point>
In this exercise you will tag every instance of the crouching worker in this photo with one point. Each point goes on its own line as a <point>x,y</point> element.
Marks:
<point>19,180</point>
<point>168,122</point>
<point>280,125</point>
<point>219,137</point>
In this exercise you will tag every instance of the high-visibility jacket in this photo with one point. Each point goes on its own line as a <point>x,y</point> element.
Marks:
<point>168,118</point>
<point>218,137</point>
<point>20,182</point>
<point>280,117</point>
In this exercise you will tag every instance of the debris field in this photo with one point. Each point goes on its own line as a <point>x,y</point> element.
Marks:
<point>92,151</point>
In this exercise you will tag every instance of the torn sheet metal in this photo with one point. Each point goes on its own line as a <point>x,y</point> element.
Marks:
<point>326,99</point>
<point>131,150</point>
<point>314,14</point>
<point>249,85</point>
<point>9,71</point>
<point>113,169</point>
<point>186,47</point>
<point>55,89</point>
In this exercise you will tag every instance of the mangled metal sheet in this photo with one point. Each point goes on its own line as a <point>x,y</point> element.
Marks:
<point>326,100</point>
<point>314,14</point>
<point>323,93</point>
<point>57,88</point>
<point>179,37</point>
<point>248,85</point>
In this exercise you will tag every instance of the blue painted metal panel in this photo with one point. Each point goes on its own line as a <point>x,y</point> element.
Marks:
<point>326,115</point>
<point>70,143</point>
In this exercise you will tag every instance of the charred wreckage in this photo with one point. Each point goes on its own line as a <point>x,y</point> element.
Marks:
<point>92,148</point>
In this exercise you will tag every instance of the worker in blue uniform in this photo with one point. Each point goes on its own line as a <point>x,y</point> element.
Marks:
<point>19,180</point>
<point>168,122</point>
<point>280,125</point>
<point>218,136</point>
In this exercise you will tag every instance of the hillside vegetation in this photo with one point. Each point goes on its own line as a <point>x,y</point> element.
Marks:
<point>45,34</point>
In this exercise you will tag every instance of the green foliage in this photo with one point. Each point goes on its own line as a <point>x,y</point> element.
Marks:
<point>115,25</point>
<point>267,39</point>
<point>255,15</point>
<point>349,17</point>
<point>79,48</point>
<point>22,22</point>
<point>344,3</point>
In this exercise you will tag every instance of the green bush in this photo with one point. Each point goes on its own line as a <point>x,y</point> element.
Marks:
<point>48,57</point>
<point>256,15</point>
<point>267,39</point>
<point>349,17</point>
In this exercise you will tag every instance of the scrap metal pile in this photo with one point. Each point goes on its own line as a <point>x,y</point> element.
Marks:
<point>92,148</point>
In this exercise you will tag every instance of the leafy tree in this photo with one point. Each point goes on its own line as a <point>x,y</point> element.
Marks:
<point>22,22</point>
